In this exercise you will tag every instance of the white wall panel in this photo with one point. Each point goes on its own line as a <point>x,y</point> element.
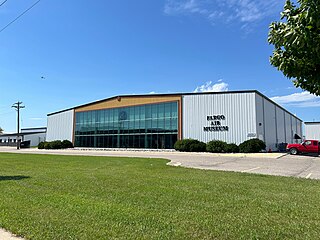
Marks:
<point>289,136</point>
<point>238,109</point>
<point>60,126</point>
<point>35,139</point>
<point>293,126</point>
<point>299,128</point>
<point>270,125</point>
<point>281,131</point>
<point>313,131</point>
<point>260,117</point>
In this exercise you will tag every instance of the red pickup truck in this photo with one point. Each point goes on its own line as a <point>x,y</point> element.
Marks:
<point>307,146</point>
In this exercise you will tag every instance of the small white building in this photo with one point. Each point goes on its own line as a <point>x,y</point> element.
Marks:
<point>312,130</point>
<point>34,135</point>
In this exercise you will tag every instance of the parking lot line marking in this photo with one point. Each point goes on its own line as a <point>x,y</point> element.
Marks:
<point>251,169</point>
<point>309,175</point>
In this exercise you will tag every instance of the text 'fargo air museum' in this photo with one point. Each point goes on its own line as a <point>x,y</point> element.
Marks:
<point>157,121</point>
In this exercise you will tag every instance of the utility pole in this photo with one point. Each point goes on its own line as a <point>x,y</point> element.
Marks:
<point>17,106</point>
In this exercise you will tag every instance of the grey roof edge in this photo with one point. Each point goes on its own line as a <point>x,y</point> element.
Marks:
<point>175,94</point>
<point>21,134</point>
<point>33,128</point>
<point>311,122</point>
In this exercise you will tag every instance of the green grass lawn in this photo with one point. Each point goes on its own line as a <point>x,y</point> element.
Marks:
<point>73,197</point>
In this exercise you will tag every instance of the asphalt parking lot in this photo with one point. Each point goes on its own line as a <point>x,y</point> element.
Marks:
<point>263,163</point>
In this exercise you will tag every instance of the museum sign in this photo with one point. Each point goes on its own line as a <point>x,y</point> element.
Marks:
<point>216,124</point>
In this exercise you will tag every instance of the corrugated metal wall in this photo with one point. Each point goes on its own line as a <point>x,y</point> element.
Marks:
<point>238,109</point>
<point>299,128</point>
<point>60,126</point>
<point>289,135</point>
<point>281,131</point>
<point>312,131</point>
<point>260,117</point>
<point>275,125</point>
<point>270,125</point>
<point>35,138</point>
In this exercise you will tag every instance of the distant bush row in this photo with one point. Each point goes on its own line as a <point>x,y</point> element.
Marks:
<point>217,146</point>
<point>55,144</point>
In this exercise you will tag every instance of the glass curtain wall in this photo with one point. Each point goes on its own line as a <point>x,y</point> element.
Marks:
<point>145,126</point>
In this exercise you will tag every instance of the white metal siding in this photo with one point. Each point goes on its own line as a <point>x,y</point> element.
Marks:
<point>299,128</point>
<point>60,126</point>
<point>270,125</point>
<point>280,126</point>
<point>281,131</point>
<point>260,117</point>
<point>293,126</point>
<point>289,136</point>
<point>312,131</point>
<point>238,109</point>
<point>35,138</point>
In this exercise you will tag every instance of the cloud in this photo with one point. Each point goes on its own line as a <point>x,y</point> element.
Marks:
<point>243,11</point>
<point>302,99</point>
<point>210,87</point>
<point>173,7</point>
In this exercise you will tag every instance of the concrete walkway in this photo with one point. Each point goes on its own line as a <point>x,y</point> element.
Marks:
<point>278,164</point>
<point>4,235</point>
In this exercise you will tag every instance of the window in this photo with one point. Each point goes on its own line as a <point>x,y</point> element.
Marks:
<point>145,126</point>
<point>307,143</point>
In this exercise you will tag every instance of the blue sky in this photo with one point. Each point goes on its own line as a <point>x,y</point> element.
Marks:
<point>93,50</point>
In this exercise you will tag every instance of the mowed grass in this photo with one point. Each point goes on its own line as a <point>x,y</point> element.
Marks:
<point>80,197</point>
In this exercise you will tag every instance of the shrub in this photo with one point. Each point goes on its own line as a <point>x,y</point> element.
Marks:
<point>66,144</point>
<point>57,144</point>
<point>41,145</point>
<point>190,145</point>
<point>232,148</point>
<point>182,145</point>
<point>216,146</point>
<point>197,146</point>
<point>252,146</point>
<point>47,145</point>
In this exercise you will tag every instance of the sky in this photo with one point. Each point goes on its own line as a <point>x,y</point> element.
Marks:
<point>62,54</point>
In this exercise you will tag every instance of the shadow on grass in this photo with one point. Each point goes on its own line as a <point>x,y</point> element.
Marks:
<point>12,178</point>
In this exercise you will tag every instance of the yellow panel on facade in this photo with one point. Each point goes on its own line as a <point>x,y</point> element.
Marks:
<point>127,102</point>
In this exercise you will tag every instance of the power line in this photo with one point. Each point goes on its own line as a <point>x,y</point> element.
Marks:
<point>27,10</point>
<point>3,2</point>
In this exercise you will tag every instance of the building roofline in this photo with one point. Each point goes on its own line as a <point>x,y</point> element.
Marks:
<point>33,128</point>
<point>175,94</point>
<point>61,111</point>
<point>273,102</point>
<point>146,95</point>
<point>311,122</point>
<point>21,134</point>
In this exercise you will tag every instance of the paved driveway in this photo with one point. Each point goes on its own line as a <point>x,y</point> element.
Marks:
<point>270,164</point>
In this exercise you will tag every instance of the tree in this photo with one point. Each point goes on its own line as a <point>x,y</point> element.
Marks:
<point>1,130</point>
<point>297,44</point>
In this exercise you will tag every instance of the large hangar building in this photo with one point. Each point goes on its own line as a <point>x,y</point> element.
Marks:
<point>157,121</point>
